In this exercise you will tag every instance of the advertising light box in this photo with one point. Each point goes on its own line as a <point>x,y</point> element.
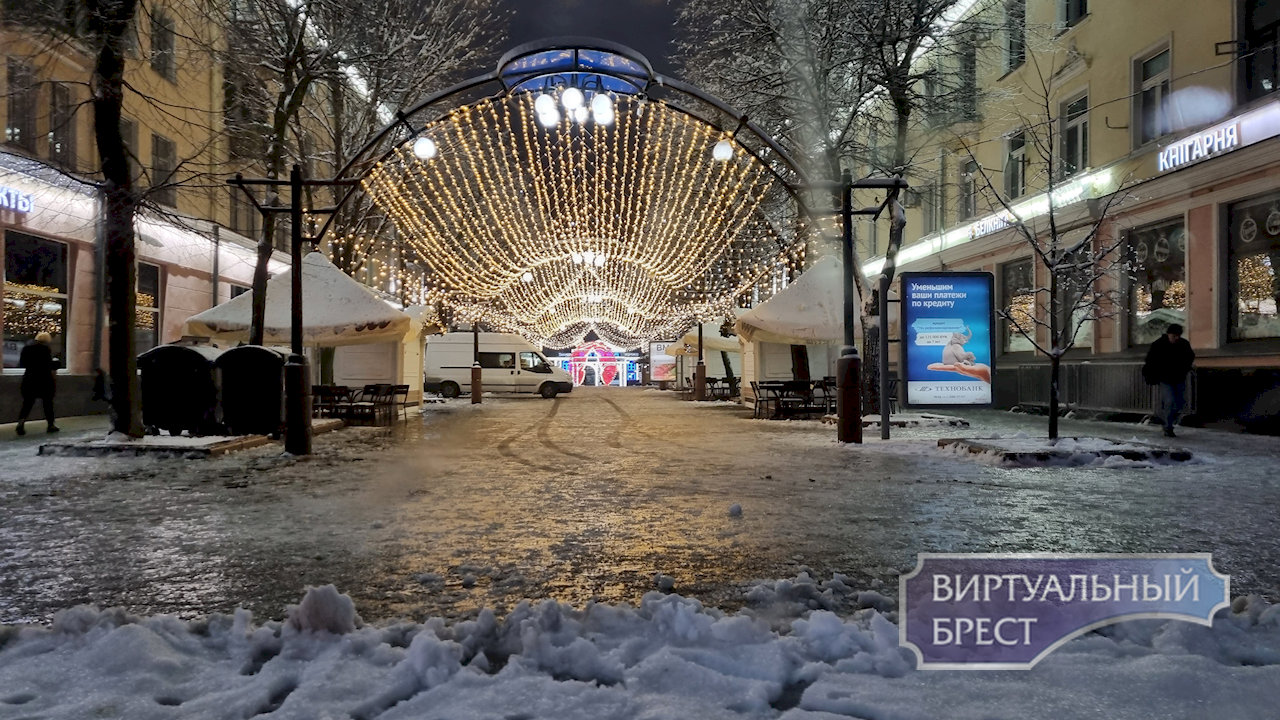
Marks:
<point>948,343</point>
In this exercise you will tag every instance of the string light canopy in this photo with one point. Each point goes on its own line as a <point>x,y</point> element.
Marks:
<point>573,204</point>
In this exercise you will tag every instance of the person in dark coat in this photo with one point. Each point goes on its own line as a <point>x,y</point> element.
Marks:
<point>38,380</point>
<point>1167,364</point>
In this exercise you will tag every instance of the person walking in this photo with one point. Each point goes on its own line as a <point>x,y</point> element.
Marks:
<point>37,380</point>
<point>1167,364</point>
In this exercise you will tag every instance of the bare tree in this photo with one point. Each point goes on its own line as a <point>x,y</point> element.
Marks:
<point>311,81</point>
<point>1082,260</point>
<point>831,77</point>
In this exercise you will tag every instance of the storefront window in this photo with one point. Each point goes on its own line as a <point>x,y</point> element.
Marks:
<point>1254,252</point>
<point>1158,297</point>
<point>35,293</point>
<point>1018,301</point>
<point>147,329</point>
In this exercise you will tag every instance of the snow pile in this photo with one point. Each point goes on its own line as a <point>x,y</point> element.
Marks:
<point>669,657</point>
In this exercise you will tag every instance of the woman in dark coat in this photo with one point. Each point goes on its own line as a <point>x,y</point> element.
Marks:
<point>38,380</point>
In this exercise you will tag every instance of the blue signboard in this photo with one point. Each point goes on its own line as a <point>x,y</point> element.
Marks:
<point>948,343</point>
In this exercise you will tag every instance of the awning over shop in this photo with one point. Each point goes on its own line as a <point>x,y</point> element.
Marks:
<point>336,310</point>
<point>809,310</point>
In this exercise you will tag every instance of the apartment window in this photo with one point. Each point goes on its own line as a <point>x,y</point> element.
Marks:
<point>933,110</point>
<point>1261,62</point>
<point>244,216</point>
<point>1152,97</point>
<point>62,126</point>
<point>969,190</point>
<point>1158,268</point>
<point>238,290</point>
<point>146,331</point>
<point>968,90</point>
<point>164,160</point>
<point>1253,268</point>
<point>1015,165</point>
<point>129,133</point>
<point>1071,12</point>
<point>1018,303</point>
<point>35,293</point>
<point>1075,136</point>
<point>163,45</point>
<point>1015,33</point>
<point>20,122</point>
<point>930,218</point>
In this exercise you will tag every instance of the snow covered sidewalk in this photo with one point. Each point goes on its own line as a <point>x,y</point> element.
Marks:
<point>667,658</point>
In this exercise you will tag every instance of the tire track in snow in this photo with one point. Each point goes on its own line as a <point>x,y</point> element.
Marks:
<point>615,437</point>
<point>544,434</point>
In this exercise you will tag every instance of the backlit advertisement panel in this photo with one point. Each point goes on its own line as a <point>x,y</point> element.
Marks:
<point>948,349</point>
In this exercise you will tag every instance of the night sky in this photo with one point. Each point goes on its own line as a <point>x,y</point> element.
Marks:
<point>644,25</point>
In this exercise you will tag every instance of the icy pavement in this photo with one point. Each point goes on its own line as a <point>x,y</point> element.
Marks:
<point>601,495</point>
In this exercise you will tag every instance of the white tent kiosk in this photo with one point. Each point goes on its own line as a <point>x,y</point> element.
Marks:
<point>685,351</point>
<point>810,313</point>
<point>375,343</point>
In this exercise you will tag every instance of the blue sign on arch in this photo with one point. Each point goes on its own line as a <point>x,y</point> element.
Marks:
<point>948,343</point>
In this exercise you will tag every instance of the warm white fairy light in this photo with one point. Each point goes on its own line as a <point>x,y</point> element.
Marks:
<point>555,227</point>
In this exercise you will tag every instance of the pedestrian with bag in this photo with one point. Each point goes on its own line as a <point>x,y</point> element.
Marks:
<point>38,379</point>
<point>1168,361</point>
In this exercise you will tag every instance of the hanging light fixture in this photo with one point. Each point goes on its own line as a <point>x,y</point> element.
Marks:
<point>572,99</point>
<point>602,109</point>
<point>424,148</point>
<point>723,151</point>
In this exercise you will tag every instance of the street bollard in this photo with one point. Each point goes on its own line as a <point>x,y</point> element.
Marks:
<point>700,382</point>
<point>849,396</point>
<point>476,386</point>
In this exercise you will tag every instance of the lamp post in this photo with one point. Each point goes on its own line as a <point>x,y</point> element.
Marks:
<point>849,366</point>
<point>477,386</point>
<point>700,372</point>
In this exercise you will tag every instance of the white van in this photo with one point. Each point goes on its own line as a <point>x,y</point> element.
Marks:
<point>509,364</point>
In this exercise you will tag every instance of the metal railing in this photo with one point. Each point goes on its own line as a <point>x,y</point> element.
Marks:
<point>1096,387</point>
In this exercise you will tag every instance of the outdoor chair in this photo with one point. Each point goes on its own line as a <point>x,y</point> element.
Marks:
<point>766,402</point>
<point>400,398</point>
<point>373,403</point>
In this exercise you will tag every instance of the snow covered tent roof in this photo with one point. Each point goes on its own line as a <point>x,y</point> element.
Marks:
<point>336,310</point>
<point>809,310</point>
<point>712,341</point>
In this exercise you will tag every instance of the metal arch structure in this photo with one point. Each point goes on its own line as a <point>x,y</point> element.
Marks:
<point>367,157</point>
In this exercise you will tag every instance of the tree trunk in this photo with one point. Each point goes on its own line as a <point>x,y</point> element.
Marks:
<point>110,23</point>
<point>1055,351</point>
<point>258,311</point>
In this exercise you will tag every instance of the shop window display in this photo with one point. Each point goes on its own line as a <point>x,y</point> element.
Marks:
<point>1158,295</point>
<point>1254,258</point>
<point>35,293</point>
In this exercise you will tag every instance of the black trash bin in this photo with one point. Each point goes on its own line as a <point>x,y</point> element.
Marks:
<point>253,390</point>
<point>180,389</point>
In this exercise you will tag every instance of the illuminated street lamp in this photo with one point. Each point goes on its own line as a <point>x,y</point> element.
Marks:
<point>424,148</point>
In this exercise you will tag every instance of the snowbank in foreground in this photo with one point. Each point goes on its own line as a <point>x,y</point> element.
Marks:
<point>668,658</point>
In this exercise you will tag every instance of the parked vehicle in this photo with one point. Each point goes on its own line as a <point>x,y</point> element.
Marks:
<point>509,364</point>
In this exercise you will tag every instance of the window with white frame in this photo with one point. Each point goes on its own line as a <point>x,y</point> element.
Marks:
<point>1075,136</point>
<point>164,45</point>
<point>1015,33</point>
<point>1015,165</point>
<point>35,293</point>
<point>1151,97</point>
<point>1071,12</point>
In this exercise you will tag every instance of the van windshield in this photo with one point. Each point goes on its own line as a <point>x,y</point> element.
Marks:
<point>533,362</point>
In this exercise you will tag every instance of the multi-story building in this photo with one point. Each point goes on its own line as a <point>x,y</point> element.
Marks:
<point>189,257</point>
<point>1155,124</point>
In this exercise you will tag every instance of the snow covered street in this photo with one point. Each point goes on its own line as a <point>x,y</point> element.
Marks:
<point>589,497</point>
<point>512,560</point>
